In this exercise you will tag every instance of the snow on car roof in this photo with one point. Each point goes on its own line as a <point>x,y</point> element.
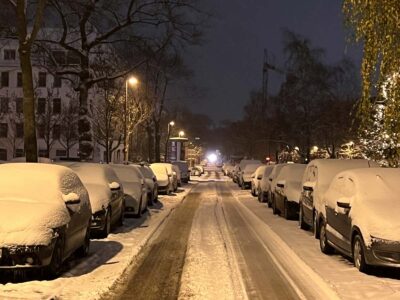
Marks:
<point>251,167</point>
<point>166,165</point>
<point>126,172</point>
<point>292,172</point>
<point>92,173</point>
<point>244,162</point>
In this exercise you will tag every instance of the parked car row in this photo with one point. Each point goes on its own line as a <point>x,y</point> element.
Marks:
<point>351,206</point>
<point>49,211</point>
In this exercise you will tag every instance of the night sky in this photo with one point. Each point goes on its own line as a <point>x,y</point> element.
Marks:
<point>229,63</point>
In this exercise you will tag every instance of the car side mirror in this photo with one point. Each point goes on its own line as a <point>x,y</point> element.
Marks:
<point>71,198</point>
<point>114,186</point>
<point>344,205</point>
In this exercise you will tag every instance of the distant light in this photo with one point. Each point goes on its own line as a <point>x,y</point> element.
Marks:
<point>181,133</point>
<point>133,80</point>
<point>212,158</point>
<point>172,123</point>
<point>268,158</point>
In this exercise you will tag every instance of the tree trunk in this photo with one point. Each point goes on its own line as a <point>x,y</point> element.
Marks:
<point>84,125</point>
<point>150,140</point>
<point>157,142</point>
<point>30,143</point>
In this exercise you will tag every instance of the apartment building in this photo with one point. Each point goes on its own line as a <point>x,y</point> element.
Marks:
<point>55,100</point>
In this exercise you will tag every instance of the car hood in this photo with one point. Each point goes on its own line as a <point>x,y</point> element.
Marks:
<point>30,223</point>
<point>99,196</point>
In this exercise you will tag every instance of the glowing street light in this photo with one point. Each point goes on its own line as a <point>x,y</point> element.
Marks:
<point>181,133</point>
<point>132,81</point>
<point>170,124</point>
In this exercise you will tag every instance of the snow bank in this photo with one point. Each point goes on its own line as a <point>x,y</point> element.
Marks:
<point>32,202</point>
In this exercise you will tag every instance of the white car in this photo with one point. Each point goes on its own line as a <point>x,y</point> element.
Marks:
<point>256,179</point>
<point>151,183</point>
<point>316,180</point>
<point>134,188</point>
<point>164,178</point>
<point>45,217</point>
<point>264,184</point>
<point>362,217</point>
<point>272,182</point>
<point>241,167</point>
<point>246,175</point>
<point>288,190</point>
<point>171,174</point>
<point>106,195</point>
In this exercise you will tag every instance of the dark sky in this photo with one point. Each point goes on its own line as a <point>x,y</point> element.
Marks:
<point>229,63</point>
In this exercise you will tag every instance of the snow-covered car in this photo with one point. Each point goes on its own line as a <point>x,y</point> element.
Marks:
<point>106,195</point>
<point>240,171</point>
<point>201,168</point>
<point>255,180</point>
<point>287,190</point>
<point>135,199</point>
<point>246,175</point>
<point>235,174</point>
<point>362,217</point>
<point>264,184</point>
<point>316,180</point>
<point>272,182</point>
<point>171,174</point>
<point>151,183</point>
<point>226,167</point>
<point>177,171</point>
<point>184,168</point>
<point>45,217</point>
<point>164,178</point>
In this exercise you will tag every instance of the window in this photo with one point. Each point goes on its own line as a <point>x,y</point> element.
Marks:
<point>3,130</point>
<point>41,108</point>
<point>9,54</point>
<point>73,58</point>
<point>41,130</point>
<point>57,81</point>
<point>42,79</point>
<point>3,154</point>
<point>43,153</point>
<point>20,130</point>
<point>19,79</point>
<point>5,79</point>
<point>59,57</point>
<point>61,152</point>
<point>4,105</point>
<point>56,106</point>
<point>19,105</point>
<point>56,132</point>
<point>19,153</point>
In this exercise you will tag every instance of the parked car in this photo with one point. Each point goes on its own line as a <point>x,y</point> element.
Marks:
<point>194,171</point>
<point>264,184</point>
<point>45,217</point>
<point>177,171</point>
<point>106,195</point>
<point>226,167</point>
<point>245,175</point>
<point>171,173</point>
<point>135,190</point>
<point>201,168</point>
<point>242,165</point>
<point>235,174</point>
<point>362,217</point>
<point>287,190</point>
<point>272,182</point>
<point>316,180</point>
<point>184,168</point>
<point>151,183</point>
<point>164,178</point>
<point>255,180</point>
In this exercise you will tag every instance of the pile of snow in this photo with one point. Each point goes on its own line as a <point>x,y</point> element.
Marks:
<point>32,202</point>
<point>374,196</point>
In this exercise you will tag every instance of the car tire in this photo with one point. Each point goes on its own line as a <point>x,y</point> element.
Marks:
<point>303,225</point>
<point>286,212</point>
<point>275,211</point>
<point>83,251</point>
<point>315,226</point>
<point>54,268</point>
<point>359,254</point>
<point>107,226</point>
<point>323,240</point>
<point>139,212</point>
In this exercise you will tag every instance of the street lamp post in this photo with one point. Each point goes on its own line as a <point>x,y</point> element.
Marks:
<point>133,81</point>
<point>172,123</point>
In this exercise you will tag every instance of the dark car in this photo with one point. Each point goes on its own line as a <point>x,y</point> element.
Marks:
<point>316,180</point>
<point>45,217</point>
<point>106,195</point>
<point>287,191</point>
<point>362,217</point>
<point>184,168</point>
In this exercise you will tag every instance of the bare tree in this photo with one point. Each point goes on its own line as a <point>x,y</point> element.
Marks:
<point>69,126</point>
<point>26,40</point>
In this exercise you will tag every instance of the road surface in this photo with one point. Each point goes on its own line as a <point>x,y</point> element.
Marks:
<point>208,249</point>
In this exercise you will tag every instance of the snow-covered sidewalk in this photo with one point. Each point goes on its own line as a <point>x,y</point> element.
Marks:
<point>95,275</point>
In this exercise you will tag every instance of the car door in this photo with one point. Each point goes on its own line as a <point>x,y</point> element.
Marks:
<point>307,195</point>
<point>337,214</point>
